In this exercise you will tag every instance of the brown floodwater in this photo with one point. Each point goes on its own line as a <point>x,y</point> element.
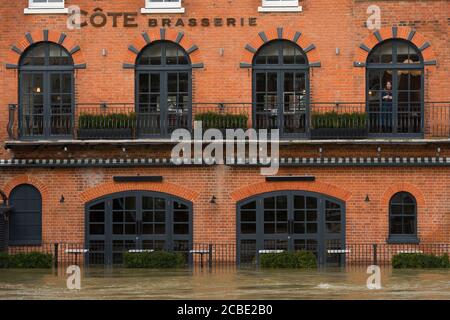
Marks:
<point>229,283</point>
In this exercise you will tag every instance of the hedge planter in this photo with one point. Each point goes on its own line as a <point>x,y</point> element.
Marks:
<point>154,260</point>
<point>292,260</point>
<point>91,134</point>
<point>420,260</point>
<point>33,260</point>
<point>106,126</point>
<point>339,133</point>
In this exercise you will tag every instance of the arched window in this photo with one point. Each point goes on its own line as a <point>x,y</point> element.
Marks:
<point>395,89</point>
<point>136,220</point>
<point>281,88</point>
<point>46,95</point>
<point>25,221</point>
<point>290,220</point>
<point>163,89</point>
<point>403,218</point>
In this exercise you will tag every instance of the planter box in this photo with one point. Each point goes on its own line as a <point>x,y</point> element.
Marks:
<point>92,134</point>
<point>339,133</point>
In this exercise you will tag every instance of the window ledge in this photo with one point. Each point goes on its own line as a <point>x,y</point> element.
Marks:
<point>46,11</point>
<point>162,10</point>
<point>403,239</point>
<point>280,9</point>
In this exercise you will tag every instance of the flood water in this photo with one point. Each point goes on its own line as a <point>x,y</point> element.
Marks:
<point>225,284</point>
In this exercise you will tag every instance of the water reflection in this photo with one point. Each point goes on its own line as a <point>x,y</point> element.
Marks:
<point>227,283</point>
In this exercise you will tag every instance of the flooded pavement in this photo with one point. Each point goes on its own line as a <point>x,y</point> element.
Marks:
<point>225,284</point>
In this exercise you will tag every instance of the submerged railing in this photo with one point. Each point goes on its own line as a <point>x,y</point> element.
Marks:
<point>214,255</point>
<point>318,120</point>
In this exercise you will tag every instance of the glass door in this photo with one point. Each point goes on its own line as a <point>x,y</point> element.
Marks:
<point>294,102</point>
<point>149,103</point>
<point>266,100</point>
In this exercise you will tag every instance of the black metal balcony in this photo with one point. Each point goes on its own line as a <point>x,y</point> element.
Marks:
<point>124,121</point>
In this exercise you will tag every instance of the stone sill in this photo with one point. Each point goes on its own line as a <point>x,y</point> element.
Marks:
<point>46,11</point>
<point>162,10</point>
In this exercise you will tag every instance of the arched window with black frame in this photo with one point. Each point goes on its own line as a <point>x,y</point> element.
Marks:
<point>395,82</point>
<point>281,88</point>
<point>25,220</point>
<point>46,92</point>
<point>163,89</point>
<point>403,218</point>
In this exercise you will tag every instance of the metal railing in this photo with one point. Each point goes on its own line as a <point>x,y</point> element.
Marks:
<point>214,255</point>
<point>318,120</point>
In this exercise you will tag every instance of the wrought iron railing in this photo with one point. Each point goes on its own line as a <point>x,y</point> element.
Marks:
<point>229,254</point>
<point>319,120</point>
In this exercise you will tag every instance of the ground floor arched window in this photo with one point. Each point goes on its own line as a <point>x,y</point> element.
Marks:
<point>136,221</point>
<point>290,220</point>
<point>25,220</point>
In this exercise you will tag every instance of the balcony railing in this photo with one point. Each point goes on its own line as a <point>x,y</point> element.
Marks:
<point>120,121</point>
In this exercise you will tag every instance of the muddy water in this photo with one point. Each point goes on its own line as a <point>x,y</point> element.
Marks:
<point>225,284</point>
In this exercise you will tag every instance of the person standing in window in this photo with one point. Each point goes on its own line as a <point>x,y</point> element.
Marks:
<point>386,107</point>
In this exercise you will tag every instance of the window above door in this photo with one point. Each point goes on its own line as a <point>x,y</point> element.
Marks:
<point>162,6</point>
<point>280,6</point>
<point>46,7</point>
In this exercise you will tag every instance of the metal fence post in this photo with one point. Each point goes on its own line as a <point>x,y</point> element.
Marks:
<point>210,256</point>
<point>375,255</point>
<point>56,245</point>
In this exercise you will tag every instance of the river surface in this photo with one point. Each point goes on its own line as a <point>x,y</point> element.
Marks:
<point>229,283</point>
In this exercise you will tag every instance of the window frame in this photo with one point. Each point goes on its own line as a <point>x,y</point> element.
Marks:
<point>20,242</point>
<point>396,67</point>
<point>280,3</point>
<point>46,71</point>
<point>163,6</point>
<point>280,6</point>
<point>403,237</point>
<point>46,8</point>
<point>47,5</point>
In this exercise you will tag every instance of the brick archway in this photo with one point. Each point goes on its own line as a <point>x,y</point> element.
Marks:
<point>402,187</point>
<point>265,187</point>
<point>25,179</point>
<point>147,38</point>
<point>30,38</point>
<point>281,33</point>
<point>387,33</point>
<point>112,187</point>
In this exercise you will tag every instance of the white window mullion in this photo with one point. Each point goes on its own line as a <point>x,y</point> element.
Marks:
<point>46,7</point>
<point>162,6</point>
<point>280,6</point>
<point>46,4</point>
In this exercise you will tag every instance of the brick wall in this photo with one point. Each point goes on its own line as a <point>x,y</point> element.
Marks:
<point>328,25</point>
<point>365,221</point>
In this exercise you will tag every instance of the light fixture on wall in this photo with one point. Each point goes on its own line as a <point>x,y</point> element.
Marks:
<point>367,198</point>
<point>213,200</point>
<point>62,199</point>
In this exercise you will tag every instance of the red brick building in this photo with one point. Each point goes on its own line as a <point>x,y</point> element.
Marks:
<point>90,98</point>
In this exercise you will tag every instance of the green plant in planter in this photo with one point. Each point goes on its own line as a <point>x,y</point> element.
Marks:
<point>32,260</point>
<point>107,121</point>
<point>420,260</point>
<point>222,120</point>
<point>154,260</point>
<point>293,260</point>
<point>335,120</point>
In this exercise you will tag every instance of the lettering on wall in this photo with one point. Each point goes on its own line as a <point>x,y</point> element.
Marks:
<point>79,18</point>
